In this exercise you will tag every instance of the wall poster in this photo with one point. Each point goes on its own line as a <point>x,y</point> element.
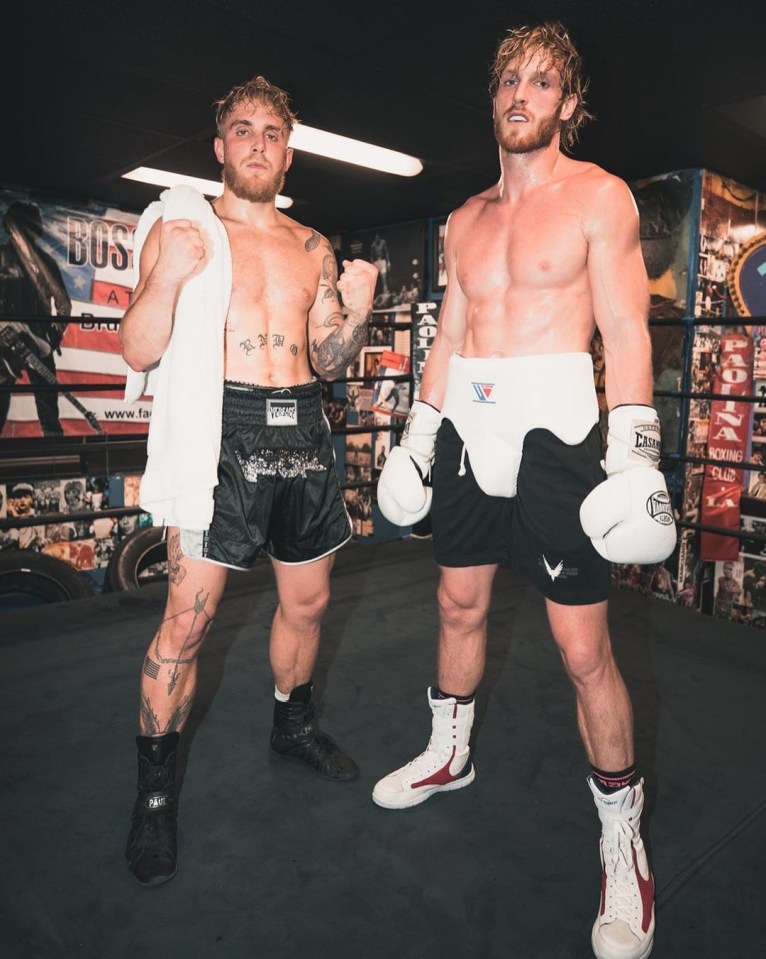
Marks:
<point>56,262</point>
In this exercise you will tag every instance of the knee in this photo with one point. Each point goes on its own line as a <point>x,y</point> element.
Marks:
<point>307,607</point>
<point>586,659</point>
<point>461,609</point>
<point>183,633</point>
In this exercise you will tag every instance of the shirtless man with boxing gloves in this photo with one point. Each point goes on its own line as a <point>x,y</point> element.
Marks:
<point>506,428</point>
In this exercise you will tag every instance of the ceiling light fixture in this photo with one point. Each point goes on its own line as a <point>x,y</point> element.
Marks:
<point>336,147</point>
<point>310,140</point>
<point>145,174</point>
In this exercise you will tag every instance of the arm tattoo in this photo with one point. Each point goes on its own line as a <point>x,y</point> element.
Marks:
<point>328,282</point>
<point>336,351</point>
<point>312,243</point>
<point>329,268</point>
<point>333,354</point>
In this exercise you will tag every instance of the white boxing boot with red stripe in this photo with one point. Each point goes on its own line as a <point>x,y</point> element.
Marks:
<point>624,928</point>
<point>446,764</point>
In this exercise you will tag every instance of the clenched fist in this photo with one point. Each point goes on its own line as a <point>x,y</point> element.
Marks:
<point>356,285</point>
<point>181,250</point>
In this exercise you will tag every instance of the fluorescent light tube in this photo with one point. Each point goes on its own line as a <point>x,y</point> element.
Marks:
<point>145,174</point>
<point>337,147</point>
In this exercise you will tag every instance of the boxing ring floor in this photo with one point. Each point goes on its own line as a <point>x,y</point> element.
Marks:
<point>275,861</point>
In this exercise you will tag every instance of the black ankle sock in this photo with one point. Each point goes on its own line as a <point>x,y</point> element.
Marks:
<point>612,782</point>
<point>463,700</point>
<point>302,693</point>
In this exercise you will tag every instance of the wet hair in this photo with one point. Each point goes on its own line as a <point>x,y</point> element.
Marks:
<point>553,39</point>
<point>256,90</point>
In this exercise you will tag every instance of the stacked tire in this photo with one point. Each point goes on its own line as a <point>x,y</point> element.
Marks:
<point>28,578</point>
<point>138,560</point>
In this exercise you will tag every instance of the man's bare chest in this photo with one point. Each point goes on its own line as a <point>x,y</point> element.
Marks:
<point>280,279</point>
<point>537,249</point>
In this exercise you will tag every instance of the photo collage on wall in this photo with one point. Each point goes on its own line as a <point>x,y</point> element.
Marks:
<point>740,585</point>
<point>85,542</point>
<point>730,217</point>
<point>380,397</point>
<point>665,207</point>
<point>379,400</point>
<point>398,252</point>
<point>689,274</point>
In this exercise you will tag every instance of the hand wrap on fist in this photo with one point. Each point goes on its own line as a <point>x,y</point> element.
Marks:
<point>628,517</point>
<point>403,497</point>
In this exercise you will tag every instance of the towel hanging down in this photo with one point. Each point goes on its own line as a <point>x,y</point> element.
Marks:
<point>187,382</point>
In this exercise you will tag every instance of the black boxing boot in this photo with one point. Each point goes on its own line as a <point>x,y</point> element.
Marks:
<point>152,849</point>
<point>296,735</point>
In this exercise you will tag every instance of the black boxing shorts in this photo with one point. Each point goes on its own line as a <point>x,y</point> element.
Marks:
<point>277,489</point>
<point>538,530</point>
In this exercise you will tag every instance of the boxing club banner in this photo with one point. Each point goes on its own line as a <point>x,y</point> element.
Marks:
<point>728,432</point>
<point>425,316</point>
<point>59,262</point>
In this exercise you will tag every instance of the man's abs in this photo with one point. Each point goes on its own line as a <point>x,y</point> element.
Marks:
<point>525,327</point>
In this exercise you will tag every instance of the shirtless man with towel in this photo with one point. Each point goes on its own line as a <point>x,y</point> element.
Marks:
<point>276,488</point>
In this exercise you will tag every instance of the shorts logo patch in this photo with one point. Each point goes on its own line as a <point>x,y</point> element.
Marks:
<point>281,412</point>
<point>483,392</point>
<point>559,570</point>
<point>658,507</point>
<point>556,571</point>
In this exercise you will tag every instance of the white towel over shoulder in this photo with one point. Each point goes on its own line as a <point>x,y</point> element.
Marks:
<point>184,441</point>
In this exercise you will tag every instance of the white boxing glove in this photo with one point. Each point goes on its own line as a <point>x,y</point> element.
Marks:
<point>403,497</point>
<point>628,517</point>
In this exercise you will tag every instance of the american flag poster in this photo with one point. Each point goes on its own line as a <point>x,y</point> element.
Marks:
<point>66,275</point>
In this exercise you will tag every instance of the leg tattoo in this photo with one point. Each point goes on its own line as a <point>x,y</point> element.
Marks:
<point>191,642</point>
<point>150,724</point>
<point>151,669</point>
<point>176,572</point>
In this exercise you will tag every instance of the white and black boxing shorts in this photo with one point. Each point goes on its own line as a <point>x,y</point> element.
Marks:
<point>538,480</point>
<point>278,488</point>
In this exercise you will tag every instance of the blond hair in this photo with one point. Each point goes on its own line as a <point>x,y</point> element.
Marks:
<point>554,40</point>
<point>256,90</point>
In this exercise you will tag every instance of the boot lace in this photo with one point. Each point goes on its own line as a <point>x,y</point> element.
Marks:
<point>620,879</point>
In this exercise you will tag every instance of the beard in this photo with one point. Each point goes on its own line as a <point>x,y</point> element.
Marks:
<point>527,140</point>
<point>256,191</point>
